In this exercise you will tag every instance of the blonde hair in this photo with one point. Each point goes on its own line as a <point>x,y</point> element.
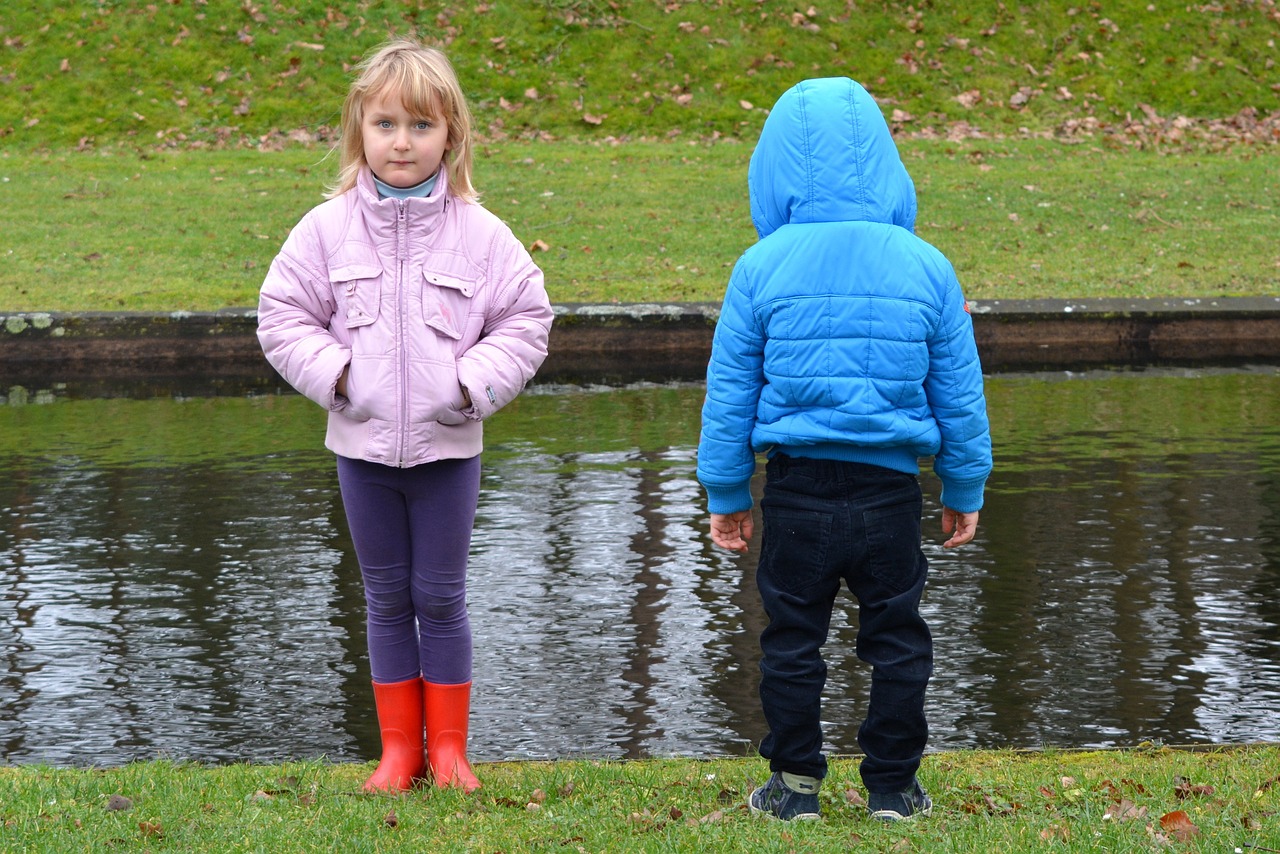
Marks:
<point>427,85</point>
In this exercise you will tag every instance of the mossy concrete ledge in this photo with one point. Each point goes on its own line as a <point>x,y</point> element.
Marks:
<point>1012,335</point>
<point>653,341</point>
<point>1051,334</point>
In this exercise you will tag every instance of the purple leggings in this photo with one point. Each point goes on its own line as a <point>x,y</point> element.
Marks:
<point>412,531</point>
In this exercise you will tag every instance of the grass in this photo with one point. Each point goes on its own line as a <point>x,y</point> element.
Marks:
<point>647,221</point>
<point>91,73</point>
<point>1061,150</point>
<point>1141,800</point>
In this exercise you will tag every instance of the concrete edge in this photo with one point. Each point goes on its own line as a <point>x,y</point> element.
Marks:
<point>217,352</point>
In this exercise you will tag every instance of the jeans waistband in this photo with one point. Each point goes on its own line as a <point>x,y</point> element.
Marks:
<point>781,464</point>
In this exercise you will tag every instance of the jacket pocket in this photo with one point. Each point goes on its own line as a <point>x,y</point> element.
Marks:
<point>446,303</point>
<point>358,290</point>
<point>357,287</point>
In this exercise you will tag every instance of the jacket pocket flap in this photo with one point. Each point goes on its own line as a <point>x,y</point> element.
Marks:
<point>466,287</point>
<point>440,322</point>
<point>351,271</point>
<point>358,287</point>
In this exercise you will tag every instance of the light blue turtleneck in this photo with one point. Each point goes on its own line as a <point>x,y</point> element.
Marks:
<point>386,191</point>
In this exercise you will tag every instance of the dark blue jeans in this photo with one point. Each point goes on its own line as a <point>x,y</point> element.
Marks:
<point>827,521</point>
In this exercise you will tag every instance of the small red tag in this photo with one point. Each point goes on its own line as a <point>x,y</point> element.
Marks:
<point>966,307</point>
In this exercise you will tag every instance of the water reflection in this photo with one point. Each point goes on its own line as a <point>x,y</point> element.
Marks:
<point>177,580</point>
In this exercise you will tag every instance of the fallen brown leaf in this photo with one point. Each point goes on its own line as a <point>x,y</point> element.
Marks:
<point>1179,825</point>
<point>1125,810</point>
<point>1184,788</point>
<point>995,807</point>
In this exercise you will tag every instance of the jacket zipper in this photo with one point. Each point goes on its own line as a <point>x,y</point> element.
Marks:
<point>402,250</point>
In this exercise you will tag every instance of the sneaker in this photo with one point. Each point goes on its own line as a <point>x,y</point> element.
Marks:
<point>794,798</point>
<point>900,806</point>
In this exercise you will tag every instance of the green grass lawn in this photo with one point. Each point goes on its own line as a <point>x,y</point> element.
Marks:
<point>1115,801</point>
<point>153,157</point>
<point>647,221</point>
<point>88,73</point>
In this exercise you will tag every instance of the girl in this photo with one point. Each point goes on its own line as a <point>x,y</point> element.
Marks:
<point>411,314</point>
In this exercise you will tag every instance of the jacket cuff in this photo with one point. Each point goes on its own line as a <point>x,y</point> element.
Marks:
<point>467,403</point>
<point>338,402</point>
<point>729,499</point>
<point>963,496</point>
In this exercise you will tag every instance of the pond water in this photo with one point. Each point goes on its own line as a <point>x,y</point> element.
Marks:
<point>177,580</point>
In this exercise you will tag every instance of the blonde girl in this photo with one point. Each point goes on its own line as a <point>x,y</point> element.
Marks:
<point>411,314</point>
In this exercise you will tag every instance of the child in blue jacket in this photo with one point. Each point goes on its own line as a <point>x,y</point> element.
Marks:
<point>845,352</point>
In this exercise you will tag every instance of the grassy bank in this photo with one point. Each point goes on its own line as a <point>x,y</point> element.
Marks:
<point>88,73</point>
<point>647,221</point>
<point>1117,801</point>
<point>154,157</point>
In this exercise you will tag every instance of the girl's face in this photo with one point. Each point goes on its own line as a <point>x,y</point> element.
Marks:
<point>401,148</point>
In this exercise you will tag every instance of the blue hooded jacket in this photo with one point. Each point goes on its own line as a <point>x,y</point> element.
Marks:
<point>842,335</point>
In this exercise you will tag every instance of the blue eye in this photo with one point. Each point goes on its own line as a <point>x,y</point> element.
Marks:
<point>423,125</point>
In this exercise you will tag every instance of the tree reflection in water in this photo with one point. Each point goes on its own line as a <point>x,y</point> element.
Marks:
<point>178,580</point>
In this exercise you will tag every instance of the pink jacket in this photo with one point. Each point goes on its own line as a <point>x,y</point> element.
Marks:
<point>422,297</point>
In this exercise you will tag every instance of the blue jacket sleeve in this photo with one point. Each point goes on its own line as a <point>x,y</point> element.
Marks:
<point>735,376</point>
<point>954,391</point>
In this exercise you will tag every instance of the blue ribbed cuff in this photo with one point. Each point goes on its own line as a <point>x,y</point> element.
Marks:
<point>963,496</point>
<point>728,499</point>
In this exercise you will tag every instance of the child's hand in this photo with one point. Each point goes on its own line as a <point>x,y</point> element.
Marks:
<point>965,526</point>
<point>732,530</point>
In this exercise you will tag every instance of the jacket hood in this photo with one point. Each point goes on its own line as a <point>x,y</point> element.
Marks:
<point>826,155</point>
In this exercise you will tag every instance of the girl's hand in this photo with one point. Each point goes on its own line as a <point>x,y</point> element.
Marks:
<point>732,530</point>
<point>965,526</point>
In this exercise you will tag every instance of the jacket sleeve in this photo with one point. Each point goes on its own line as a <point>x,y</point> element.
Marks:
<point>295,309</point>
<point>517,327</point>
<point>954,391</point>
<point>735,377</point>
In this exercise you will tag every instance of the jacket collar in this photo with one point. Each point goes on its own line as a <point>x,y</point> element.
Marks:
<point>423,211</point>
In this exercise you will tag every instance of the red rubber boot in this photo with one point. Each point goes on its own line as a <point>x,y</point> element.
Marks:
<point>447,708</point>
<point>400,721</point>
